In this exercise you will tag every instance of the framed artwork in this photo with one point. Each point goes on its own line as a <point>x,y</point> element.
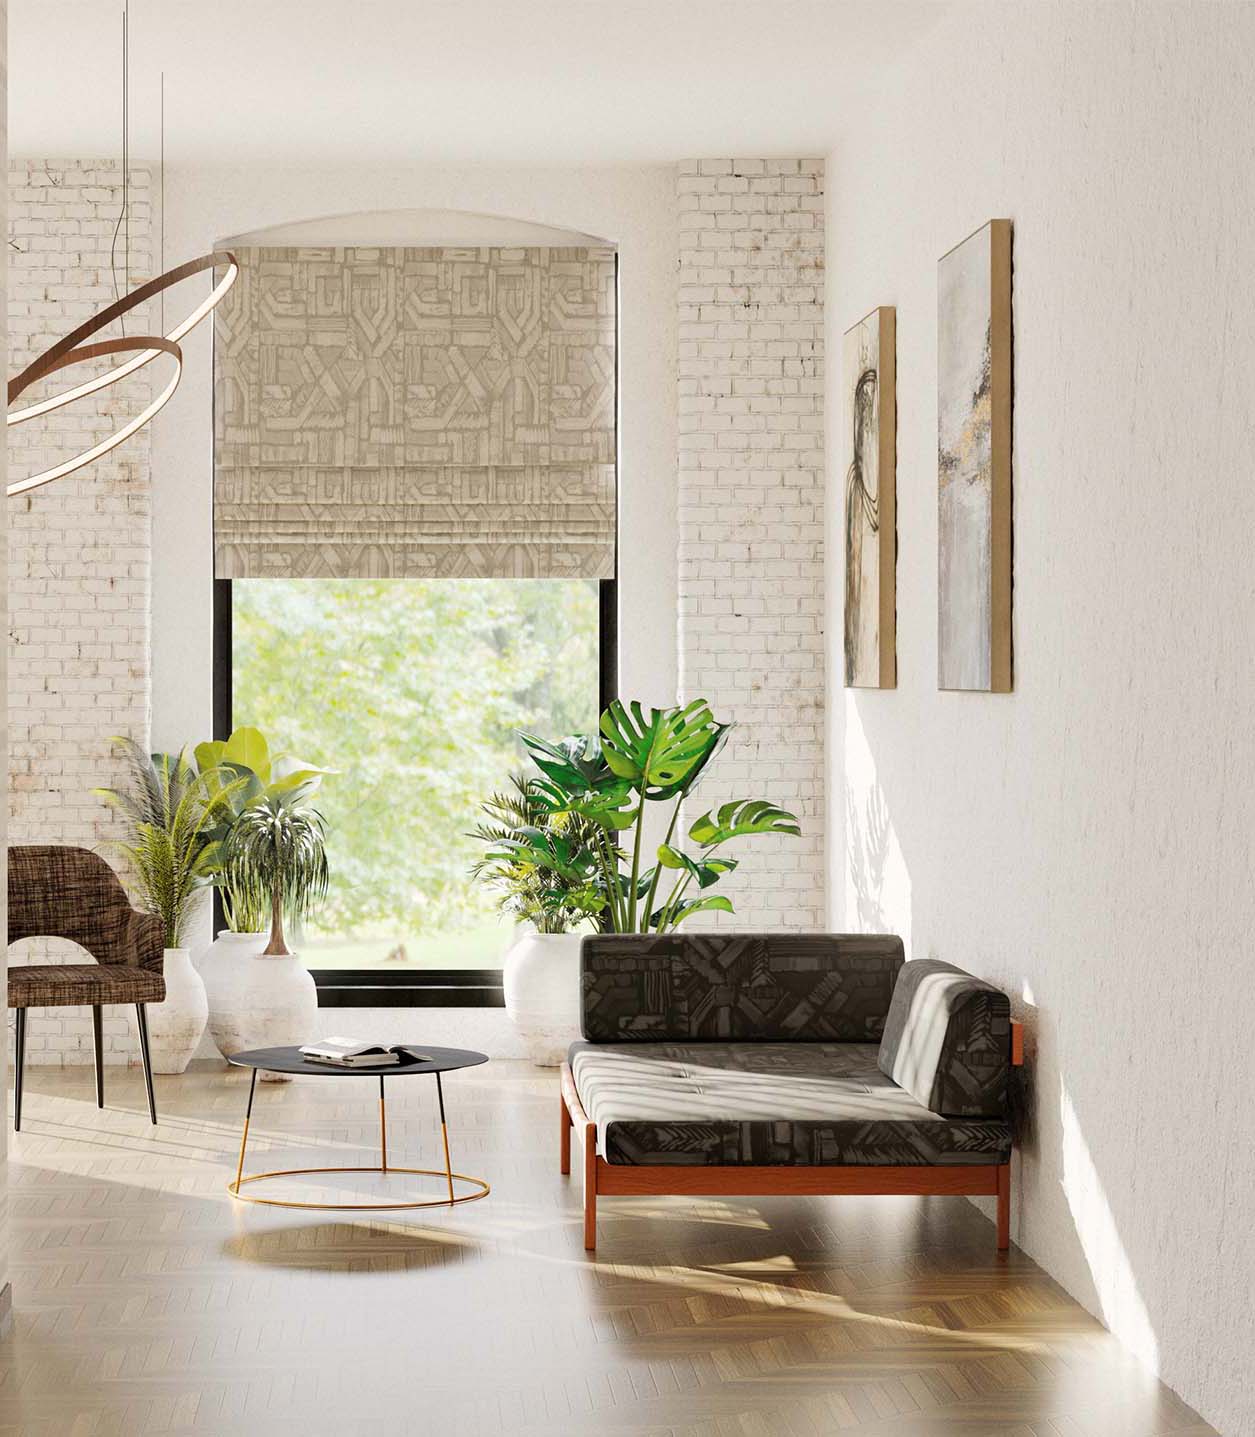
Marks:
<point>974,462</point>
<point>870,424</point>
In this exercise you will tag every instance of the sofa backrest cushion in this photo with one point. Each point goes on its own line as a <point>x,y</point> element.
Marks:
<point>947,1040</point>
<point>770,987</point>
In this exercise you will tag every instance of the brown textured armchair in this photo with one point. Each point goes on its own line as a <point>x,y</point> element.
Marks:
<point>59,892</point>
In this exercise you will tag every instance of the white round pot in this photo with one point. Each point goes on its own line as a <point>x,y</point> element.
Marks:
<point>542,993</point>
<point>255,1000</point>
<point>175,1027</point>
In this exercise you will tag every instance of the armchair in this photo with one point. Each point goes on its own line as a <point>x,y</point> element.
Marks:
<point>71,893</point>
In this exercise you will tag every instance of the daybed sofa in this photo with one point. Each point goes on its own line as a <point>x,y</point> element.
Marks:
<point>775,1064</point>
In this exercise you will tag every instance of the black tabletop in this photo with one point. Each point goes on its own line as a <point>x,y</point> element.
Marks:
<point>414,1059</point>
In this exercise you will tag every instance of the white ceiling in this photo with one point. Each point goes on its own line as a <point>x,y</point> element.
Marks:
<point>538,82</point>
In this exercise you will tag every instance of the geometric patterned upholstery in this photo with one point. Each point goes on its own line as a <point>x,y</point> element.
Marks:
<point>409,413</point>
<point>774,1104</point>
<point>948,1040</point>
<point>777,987</point>
<point>73,894</point>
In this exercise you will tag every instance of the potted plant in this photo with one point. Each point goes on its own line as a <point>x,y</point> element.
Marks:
<point>257,996</point>
<point>584,830</point>
<point>550,902</point>
<point>168,811</point>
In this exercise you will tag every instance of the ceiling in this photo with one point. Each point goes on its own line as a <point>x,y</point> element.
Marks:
<point>541,82</point>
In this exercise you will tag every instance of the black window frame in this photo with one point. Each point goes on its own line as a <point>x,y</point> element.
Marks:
<point>419,988</point>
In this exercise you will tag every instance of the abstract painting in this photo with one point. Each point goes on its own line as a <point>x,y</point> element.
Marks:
<point>869,424</point>
<point>974,462</point>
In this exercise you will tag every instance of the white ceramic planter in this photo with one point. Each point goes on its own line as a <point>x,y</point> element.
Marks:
<point>257,1001</point>
<point>542,993</point>
<point>176,1026</point>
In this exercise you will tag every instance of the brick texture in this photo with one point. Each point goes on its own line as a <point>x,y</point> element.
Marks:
<point>78,549</point>
<point>751,480</point>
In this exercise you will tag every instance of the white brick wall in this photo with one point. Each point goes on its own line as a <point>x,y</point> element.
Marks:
<point>751,481</point>
<point>78,549</point>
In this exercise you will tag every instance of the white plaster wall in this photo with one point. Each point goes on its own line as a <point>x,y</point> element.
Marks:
<point>1086,840</point>
<point>632,207</point>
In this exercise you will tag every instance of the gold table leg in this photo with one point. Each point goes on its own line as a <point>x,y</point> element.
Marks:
<point>239,1170</point>
<point>448,1174</point>
<point>444,1134</point>
<point>383,1131</point>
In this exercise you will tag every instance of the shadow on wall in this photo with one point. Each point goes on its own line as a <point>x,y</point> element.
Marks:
<point>1055,1167</point>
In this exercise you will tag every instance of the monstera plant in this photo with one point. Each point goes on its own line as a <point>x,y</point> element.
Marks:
<point>608,782</point>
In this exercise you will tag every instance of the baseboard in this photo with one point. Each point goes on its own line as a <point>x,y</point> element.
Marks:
<point>6,1309</point>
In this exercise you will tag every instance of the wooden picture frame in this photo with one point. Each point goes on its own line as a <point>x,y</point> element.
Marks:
<point>870,422</point>
<point>974,418</point>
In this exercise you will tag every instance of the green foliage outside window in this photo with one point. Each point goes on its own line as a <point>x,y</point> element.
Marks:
<point>414,691</point>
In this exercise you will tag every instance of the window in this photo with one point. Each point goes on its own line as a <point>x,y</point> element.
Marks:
<point>412,690</point>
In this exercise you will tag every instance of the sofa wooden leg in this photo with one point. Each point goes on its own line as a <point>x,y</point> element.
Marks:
<point>590,1187</point>
<point>564,1133</point>
<point>1004,1207</point>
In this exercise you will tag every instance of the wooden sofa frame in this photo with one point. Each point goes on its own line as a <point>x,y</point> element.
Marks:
<point>657,1180</point>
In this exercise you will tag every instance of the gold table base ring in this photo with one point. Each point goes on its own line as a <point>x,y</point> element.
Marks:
<point>234,1189</point>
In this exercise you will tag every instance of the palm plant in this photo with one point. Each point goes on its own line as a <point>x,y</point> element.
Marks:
<point>243,770</point>
<point>606,781</point>
<point>277,847</point>
<point>169,812</point>
<point>554,896</point>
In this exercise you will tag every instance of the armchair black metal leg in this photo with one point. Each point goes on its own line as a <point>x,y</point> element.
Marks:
<point>20,1068</point>
<point>99,1045</point>
<point>142,1014</point>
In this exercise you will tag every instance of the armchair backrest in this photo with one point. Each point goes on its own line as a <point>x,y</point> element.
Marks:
<point>765,987</point>
<point>72,893</point>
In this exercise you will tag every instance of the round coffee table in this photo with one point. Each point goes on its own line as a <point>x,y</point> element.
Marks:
<point>424,1060</point>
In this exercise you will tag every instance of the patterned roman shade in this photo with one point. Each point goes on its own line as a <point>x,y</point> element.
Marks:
<point>416,413</point>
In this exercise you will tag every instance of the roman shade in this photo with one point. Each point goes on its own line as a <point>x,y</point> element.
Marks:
<point>416,413</point>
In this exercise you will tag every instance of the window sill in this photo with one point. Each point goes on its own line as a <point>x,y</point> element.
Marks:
<point>413,988</point>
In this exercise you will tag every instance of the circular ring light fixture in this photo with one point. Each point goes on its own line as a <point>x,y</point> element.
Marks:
<point>150,346</point>
<point>145,348</point>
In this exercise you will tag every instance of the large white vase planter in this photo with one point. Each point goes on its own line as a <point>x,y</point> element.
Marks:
<point>176,1026</point>
<point>257,1000</point>
<point>542,993</point>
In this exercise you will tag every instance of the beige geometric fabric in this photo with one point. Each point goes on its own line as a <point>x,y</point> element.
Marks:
<point>416,413</point>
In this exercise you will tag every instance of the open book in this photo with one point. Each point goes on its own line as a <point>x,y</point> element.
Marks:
<point>352,1053</point>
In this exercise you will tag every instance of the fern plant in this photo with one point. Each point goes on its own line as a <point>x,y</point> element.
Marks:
<point>168,811</point>
<point>278,847</point>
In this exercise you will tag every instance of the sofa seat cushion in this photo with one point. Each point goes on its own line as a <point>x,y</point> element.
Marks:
<point>767,1104</point>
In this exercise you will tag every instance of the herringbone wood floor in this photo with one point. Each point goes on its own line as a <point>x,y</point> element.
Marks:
<point>147,1301</point>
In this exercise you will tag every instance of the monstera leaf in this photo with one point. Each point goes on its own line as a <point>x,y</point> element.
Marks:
<point>609,807</point>
<point>709,904</point>
<point>660,755</point>
<point>576,764</point>
<point>742,817</point>
<point>706,871</point>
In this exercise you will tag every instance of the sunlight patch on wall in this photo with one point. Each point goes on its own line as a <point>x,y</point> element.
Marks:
<point>877,883</point>
<point>1120,1302</point>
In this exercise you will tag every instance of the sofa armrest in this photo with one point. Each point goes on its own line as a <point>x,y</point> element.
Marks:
<point>947,1040</point>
